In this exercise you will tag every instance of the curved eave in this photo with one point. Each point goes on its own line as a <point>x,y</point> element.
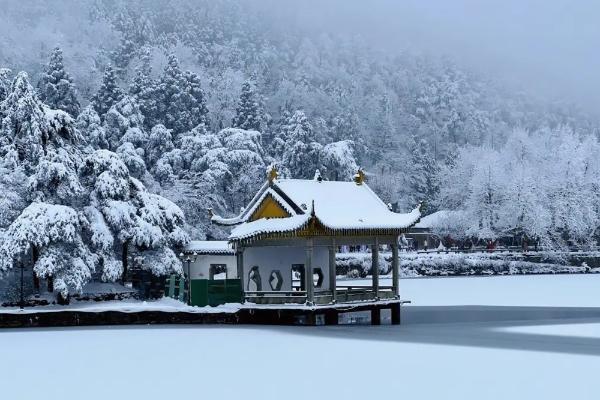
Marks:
<point>209,252</point>
<point>218,220</point>
<point>313,226</point>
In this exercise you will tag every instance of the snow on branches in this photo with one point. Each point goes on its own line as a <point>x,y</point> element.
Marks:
<point>56,232</point>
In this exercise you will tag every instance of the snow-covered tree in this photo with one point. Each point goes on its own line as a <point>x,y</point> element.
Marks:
<point>12,191</point>
<point>159,143</point>
<point>124,122</point>
<point>108,94</point>
<point>91,129</point>
<point>247,112</point>
<point>181,100</point>
<point>421,175</point>
<point>56,88</point>
<point>144,89</point>
<point>56,232</point>
<point>41,146</point>
<point>128,220</point>
<point>30,130</point>
<point>5,83</point>
<point>134,159</point>
<point>339,163</point>
<point>301,155</point>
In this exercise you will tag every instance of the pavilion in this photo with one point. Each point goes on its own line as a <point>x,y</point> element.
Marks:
<point>286,239</point>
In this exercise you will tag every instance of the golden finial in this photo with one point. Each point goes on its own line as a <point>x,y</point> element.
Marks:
<point>359,177</point>
<point>272,173</point>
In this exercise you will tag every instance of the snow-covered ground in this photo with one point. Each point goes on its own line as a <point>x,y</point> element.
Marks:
<point>518,337</point>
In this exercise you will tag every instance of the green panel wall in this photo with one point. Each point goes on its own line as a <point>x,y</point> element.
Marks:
<point>214,292</point>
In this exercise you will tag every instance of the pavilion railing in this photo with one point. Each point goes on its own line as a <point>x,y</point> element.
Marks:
<point>345,293</point>
<point>276,293</point>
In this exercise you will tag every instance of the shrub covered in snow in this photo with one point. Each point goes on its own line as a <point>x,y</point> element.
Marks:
<point>441,264</point>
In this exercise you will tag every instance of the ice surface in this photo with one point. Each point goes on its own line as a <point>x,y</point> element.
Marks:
<point>435,354</point>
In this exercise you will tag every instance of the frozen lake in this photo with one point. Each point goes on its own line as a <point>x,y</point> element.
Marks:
<point>462,338</point>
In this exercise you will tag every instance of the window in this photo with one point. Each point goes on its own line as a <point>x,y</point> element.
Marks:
<point>275,280</point>
<point>298,274</point>
<point>318,277</point>
<point>254,281</point>
<point>217,271</point>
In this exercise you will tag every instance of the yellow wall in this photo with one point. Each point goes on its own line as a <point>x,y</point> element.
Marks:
<point>269,208</point>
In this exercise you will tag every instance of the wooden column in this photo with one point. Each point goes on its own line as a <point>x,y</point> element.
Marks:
<point>308,276</point>
<point>375,267</point>
<point>395,269</point>
<point>332,272</point>
<point>34,258</point>
<point>239,256</point>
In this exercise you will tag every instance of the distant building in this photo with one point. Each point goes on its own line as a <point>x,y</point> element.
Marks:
<point>423,234</point>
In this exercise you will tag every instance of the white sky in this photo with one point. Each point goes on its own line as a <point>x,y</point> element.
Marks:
<point>548,47</point>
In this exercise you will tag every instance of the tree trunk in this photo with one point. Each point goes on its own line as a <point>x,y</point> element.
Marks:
<point>34,258</point>
<point>124,260</point>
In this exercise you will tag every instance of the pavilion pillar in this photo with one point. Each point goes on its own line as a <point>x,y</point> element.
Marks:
<point>308,273</point>
<point>239,256</point>
<point>332,271</point>
<point>395,268</point>
<point>375,267</point>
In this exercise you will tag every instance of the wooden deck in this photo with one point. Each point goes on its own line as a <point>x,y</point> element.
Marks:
<point>287,314</point>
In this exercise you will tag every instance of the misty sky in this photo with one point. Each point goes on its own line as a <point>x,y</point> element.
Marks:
<point>547,47</point>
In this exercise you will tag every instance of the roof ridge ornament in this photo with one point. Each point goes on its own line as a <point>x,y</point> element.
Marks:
<point>360,177</point>
<point>272,173</point>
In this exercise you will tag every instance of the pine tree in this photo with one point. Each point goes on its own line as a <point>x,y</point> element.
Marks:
<point>338,160</point>
<point>194,101</point>
<point>302,153</point>
<point>109,93</point>
<point>170,93</point>
<point>247,112</point>
<point>182,103</point>
<point>144,89</point>
<point>43,144</point>
<point>125,215</point>
<point>124,122</point>
<point>56,87</point>
<point>29,129</point>
<point>90,127</point>
<point>159,143</point>
<point>4,83</point>
<point>422,176</point>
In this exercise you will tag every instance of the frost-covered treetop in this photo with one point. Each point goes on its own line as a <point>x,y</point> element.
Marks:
<point>31,127</point>
<point>56,87</point>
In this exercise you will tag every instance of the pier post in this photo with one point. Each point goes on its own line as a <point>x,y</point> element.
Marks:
<point>395,309</point>
<point>332,272</point>
<point>376,316</point>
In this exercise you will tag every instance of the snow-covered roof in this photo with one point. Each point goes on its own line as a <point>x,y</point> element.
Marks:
<point>208,247</point>
<point>432,220</point>
<point>345,205</point>
<point>335,205</point>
